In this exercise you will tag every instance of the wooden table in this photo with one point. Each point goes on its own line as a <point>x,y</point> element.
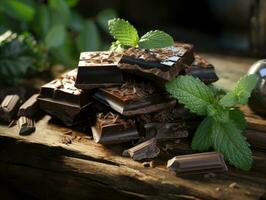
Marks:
<point>42,166</point>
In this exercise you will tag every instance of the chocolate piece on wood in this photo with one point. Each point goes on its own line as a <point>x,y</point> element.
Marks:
<point>134,98</point>
<point>98,69</point>
<point>197,163</point>
<point>256,139</point>
<point>203,70</point>
<point>30,107</point>
<point>112,129</point>
<point>147,149</point>
<point>26,125</point>
<point>61,99</point>
<point>157,64</point>
<point>9,107</point>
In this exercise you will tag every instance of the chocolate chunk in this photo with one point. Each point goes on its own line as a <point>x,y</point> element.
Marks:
<point>98,69</point>
<point>134,98</point>
<point>197,163</point>
<point>147,149</point>
<point>61,99</point>
<point>26,125</point>
<point>9,107</point>
<point>157,64</point>
<point>203,70</point>
<point>256,139</point>
<point>30,107</point>
<point>112,129</point>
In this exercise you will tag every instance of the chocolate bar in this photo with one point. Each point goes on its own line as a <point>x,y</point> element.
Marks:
<point>134,98</point>
<point>61,99</point>
<point>9,107</point>
<point>30,107</point>
<point>26,125</point>
<point>165,124</point>
<point>98,69</point>
<point>112,129</point>
<point>197,163</point>
<point>203,70</point>
<point>147,149</point>
<point>256,139</point>
<point>157,64</point>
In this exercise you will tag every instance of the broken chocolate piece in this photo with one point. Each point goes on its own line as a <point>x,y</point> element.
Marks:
<point>256,139</point>
<point>197,163</point>
<point>9,107</point>
<point>203,70</point>
<point>112,129</point>
<point>134,98</point>
<point>157,64</point>
<point>30,107</point>
<point>165,124</point>
<point>147,149</point>
<point>26,125</point>
<point>98,69</point>
<point>61,99</point>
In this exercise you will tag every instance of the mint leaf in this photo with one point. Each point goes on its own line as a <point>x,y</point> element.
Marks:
<point>202,140</point>
<point>155,39</point>
<point>238,118</point>
<point>192,92</point>
<point>227,139</point>
<point>241,92</point>
<point>124,32</point>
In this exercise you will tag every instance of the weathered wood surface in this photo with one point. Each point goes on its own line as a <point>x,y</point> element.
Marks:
<point>41,165</point>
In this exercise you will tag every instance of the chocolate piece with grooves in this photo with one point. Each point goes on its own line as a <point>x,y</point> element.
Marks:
<point>9,107</point>
<point>26,125</point>
<point>30,107</point>
<point>197,163</point>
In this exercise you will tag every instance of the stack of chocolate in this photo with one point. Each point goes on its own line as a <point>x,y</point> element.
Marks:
<point>122,96</point>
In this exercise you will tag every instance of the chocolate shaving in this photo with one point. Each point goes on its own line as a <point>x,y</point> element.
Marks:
<point>103,57</point>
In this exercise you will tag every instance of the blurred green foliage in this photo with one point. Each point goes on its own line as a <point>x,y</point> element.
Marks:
<point>56,25</point>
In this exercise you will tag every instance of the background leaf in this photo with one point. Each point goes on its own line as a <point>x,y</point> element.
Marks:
<point>72,3</point>
<point>191,92</point>
<point>104,16</point>
<point>89,39</point>
<point>55,37</point>
<point>155,39</point>
<point>124,32</point>
<point>60,11</point>
<point>18,10</point>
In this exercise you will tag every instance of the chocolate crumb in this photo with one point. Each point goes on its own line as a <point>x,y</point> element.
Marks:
<point>218,189</point>
<point>210,175</point>
<point>67,139</point>
<point>148,164</point>
<point>234,185</point>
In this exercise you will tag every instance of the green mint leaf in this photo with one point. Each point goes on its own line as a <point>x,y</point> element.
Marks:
<point>238,118</point>
<point>241,92</point>
<point>124,32</point>
<point>202,140</point>
<point>227,139</point>
<point>117,47</point>
<point>192,92</point>
<point>155,39</point>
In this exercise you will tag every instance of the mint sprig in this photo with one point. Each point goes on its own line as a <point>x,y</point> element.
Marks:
<point>127,35</point>
<point>223,127</point>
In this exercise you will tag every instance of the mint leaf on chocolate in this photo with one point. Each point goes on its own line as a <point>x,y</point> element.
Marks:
<point>155,39</point>
<point>241,92</point>
<point>223,127</point>
<point>127,36</point>
<point>124,32</point>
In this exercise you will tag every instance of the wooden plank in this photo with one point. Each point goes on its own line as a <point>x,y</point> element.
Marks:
<point>83,168</point>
